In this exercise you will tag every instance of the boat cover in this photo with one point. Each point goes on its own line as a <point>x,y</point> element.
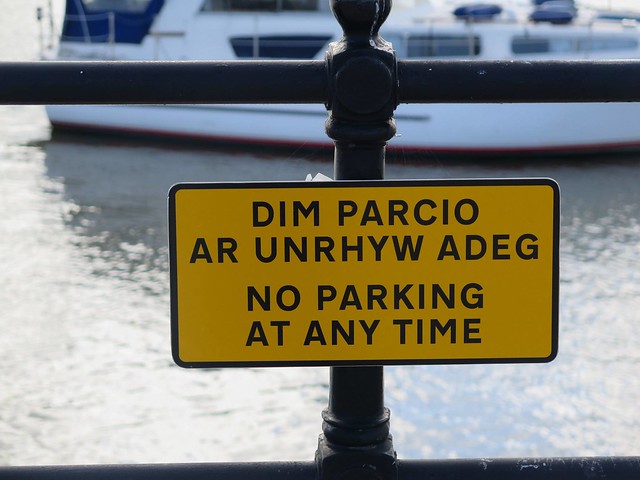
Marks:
<point>104,21</point>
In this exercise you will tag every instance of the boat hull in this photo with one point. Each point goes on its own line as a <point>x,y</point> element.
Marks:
<point>474,129</point>
<point>193,30</point>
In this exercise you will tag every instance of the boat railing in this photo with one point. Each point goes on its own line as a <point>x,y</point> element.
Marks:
<point>108,38</point>
<point>86,18</point>
<point>46,21</point>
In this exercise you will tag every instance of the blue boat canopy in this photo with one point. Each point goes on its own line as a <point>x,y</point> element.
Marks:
<point>553,15</point>
<point>476,12</point>
<point>103,21</point>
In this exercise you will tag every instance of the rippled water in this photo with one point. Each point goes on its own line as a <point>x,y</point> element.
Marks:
<point>85,369</point>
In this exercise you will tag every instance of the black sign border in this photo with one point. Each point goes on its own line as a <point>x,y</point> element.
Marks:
<point>173,263</point>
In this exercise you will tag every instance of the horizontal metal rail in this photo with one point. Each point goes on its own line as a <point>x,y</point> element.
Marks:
<point>309,82</point>
<point>306,81</point>
<point>580,468</point>
<point>187,471</point>
<point>519,81</point>
<point>576,468</point>
<point>147,83</point>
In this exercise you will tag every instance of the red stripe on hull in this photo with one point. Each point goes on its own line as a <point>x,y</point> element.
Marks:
<point>257,141</point>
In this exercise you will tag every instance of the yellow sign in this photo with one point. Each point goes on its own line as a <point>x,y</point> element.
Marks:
<point>362,273</point>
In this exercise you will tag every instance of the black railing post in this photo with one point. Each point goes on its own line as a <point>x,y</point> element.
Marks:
<point>362,68</point>
<point>356,444</point>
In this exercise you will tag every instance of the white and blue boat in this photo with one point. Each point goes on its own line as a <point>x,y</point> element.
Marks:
<point>288,29</point>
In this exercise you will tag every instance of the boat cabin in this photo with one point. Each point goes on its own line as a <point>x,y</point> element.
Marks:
<point>301,29</point>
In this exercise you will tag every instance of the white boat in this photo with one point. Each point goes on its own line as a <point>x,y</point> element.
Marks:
<point>244,29</point>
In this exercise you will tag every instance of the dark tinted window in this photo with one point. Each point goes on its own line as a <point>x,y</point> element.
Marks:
<point>526,45</point>
<point>279,46</point>
<point>258,5</point>
<point>116,5</point>
<point>530,45</point>
<point>442,46</point>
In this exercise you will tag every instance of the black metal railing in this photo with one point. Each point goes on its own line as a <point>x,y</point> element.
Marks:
<point>307,81</point>
<point>361,83</point>
<point>622,468</point>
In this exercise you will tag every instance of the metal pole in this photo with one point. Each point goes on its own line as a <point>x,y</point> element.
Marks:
<point>362,75</point>
<point>362,97</point>
<point>356,415</point>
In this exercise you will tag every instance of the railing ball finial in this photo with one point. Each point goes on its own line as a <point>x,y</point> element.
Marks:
<point>360,19</point>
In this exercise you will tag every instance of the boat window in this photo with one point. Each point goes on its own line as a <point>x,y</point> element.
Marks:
<point>619,16</point>
<point>116,5</point>
<point>259,5</point>
<point>443,45</point>
<point>528,45</point>
<point>279,46</point>
<point>592,44</point>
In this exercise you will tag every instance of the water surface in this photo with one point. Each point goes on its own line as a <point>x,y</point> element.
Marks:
<point>86,374</point>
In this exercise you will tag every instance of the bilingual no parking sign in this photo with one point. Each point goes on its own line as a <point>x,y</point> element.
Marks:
<point>364,273</point>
